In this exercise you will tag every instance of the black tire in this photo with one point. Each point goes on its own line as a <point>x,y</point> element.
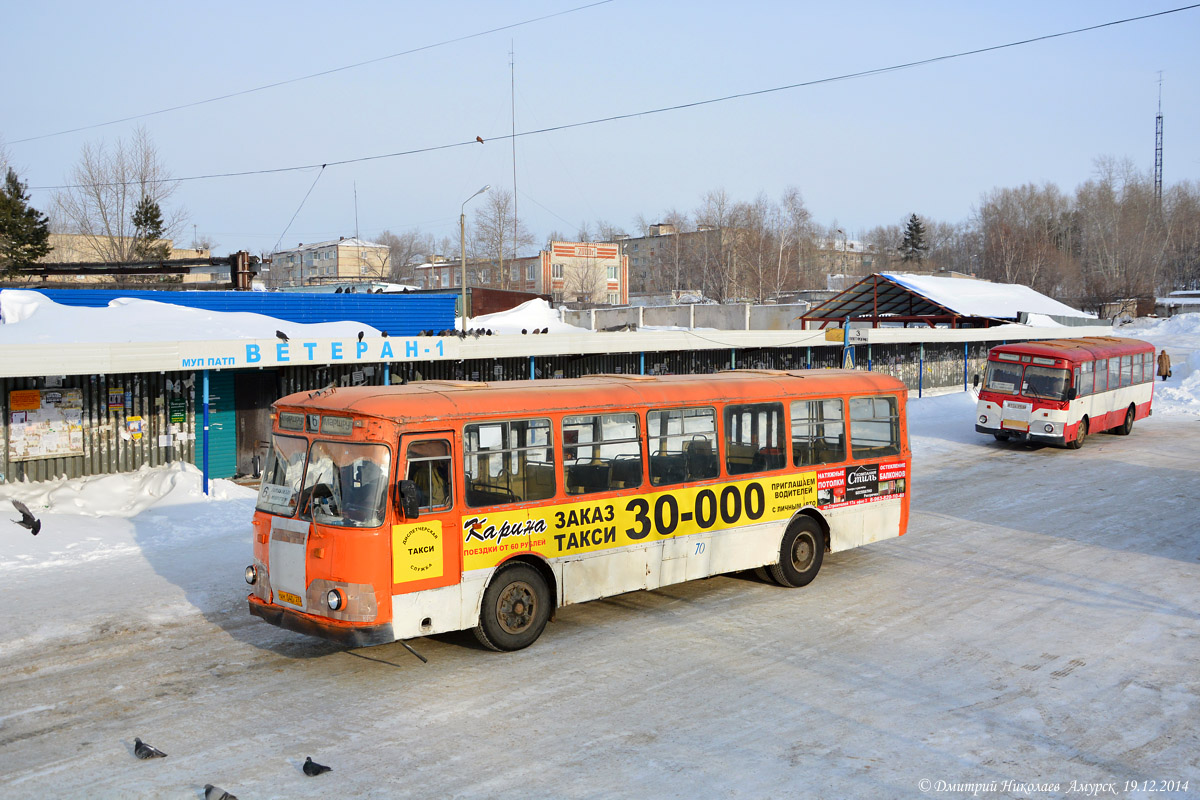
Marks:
<point>1001,437</point>
<point>763,574</point>
<point>800,554</point>
<point>1080,434</point>
<point>1127,427</point>
<point>516,606</point>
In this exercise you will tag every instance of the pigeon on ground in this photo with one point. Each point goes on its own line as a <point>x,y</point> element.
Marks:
<point>216,793</point>
<point>523,331</point>
<point>545,330</point>
<point>144,751</point>
<point>27,520</point>
<point>281,335</point>
<point>312,768</point>
<point>360,335</point>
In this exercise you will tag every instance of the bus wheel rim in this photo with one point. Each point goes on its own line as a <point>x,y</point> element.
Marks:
<point>516,607</point>
<point>803,550</point>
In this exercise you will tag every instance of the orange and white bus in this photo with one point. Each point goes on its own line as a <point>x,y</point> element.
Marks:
<point>388,513</point>
<point>1058,391</point>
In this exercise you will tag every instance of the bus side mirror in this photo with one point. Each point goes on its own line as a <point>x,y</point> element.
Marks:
<point>975,381</point>
<point>410,501</point>
<point>1072,393</point>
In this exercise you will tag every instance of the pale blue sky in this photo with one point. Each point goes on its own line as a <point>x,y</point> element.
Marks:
<point>863,152</point>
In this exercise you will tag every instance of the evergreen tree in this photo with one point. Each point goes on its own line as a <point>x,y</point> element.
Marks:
<point>24,231</point>
<point>914,248</point>
<point>148,232</point>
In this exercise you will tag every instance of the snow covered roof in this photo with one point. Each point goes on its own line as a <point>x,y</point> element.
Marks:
<point>925,297</point>
<point>973,298</point>
<point>352,242</point>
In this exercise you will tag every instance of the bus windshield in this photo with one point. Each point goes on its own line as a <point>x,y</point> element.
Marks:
<point>1046,382</point>
<point>346,484</point>
<point>281,479</point>
<point>1003,378</point>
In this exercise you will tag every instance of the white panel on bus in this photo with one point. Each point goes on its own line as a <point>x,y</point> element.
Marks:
<point>288,548</point>
<point>612,573</point>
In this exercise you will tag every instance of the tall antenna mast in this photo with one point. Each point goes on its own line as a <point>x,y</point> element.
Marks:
<point>1158,148</point>
<point>512,94</point>
<point>356,209</point>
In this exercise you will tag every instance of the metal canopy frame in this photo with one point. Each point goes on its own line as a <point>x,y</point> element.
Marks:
<point>880,299</point>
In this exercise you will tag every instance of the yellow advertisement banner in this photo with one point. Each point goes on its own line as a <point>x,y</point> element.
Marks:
<point>587,526</point>
<point>417,551</point>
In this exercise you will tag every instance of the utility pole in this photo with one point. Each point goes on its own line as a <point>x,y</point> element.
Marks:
<point>1158,148</point>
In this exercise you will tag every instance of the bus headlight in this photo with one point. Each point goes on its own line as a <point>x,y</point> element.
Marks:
<point>983,419</point>
<point>251,575</point>
<point>1049,428</point>
<point>335,599</point>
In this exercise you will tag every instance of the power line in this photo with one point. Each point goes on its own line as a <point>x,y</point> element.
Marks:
<point>661,110</point>
<point>277,84</point>
<point>302,202</point>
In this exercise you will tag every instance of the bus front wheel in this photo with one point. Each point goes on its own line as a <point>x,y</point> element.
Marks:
<point>516,606</point>
<point>800,554</point>
<point>1080,435</point>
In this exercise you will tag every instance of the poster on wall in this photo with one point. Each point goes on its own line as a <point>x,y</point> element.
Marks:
<point>45,423</point>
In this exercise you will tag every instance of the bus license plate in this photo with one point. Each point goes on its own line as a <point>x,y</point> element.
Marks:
<point>1014,424</point>
<point>288,597</point>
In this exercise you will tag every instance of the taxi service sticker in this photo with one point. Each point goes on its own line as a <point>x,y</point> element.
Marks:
<point>416,551</point>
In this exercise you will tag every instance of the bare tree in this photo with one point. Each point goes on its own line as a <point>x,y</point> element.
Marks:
<point>1181,210</point>
<point>1122,240</point>
<point>404,251</point>
<point>105,189</point>
<point>493,243</point>
<point>586,282</point>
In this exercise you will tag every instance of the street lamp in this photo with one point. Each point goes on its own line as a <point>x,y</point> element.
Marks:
<point>462,246</point>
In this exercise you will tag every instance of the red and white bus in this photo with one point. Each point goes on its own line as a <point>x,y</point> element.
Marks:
<point>1059,390</point>
<point>388,513</point>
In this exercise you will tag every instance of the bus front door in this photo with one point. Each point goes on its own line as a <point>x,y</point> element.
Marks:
<point>427,551</point>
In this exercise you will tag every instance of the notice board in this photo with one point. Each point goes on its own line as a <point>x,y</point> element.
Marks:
<point>45,423</point>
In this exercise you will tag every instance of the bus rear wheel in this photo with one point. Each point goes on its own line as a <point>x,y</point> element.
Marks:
<point>1125,429</point>
<point>516,607</point>
<point>800,554</point>
<point>1080,435</point>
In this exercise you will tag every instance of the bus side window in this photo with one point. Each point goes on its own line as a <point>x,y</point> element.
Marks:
<point>682,445</point>
<point>874,427</point>
<point>601,452</point>
<point>818,432</point>
<point>1101,375</point>
<point>753,438</point>
<point>1127,371</point>
<point>1083,379</point>
<point>508,462</point>
<point>429,468</point>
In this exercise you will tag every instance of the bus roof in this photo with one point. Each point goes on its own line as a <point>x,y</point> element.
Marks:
<point>426,400</point>
<point>1085,348</point>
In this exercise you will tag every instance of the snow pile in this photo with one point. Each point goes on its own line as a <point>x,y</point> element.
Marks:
<point>108,500</point>
<point>1180,337</point>
<point>529,316</point>
<point>32,318</point>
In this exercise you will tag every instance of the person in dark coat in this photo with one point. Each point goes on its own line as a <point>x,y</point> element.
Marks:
<point>1164,365</point>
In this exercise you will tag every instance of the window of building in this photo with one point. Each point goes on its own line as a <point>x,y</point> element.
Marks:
<point>556,270</point>
<point>530,275</point>
<point>682,445</point>
<point>614,298</point>
<point>614,273</point>
<point>508,462</point>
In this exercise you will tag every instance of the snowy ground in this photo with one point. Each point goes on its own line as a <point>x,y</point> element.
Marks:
<point>1038,624</point>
